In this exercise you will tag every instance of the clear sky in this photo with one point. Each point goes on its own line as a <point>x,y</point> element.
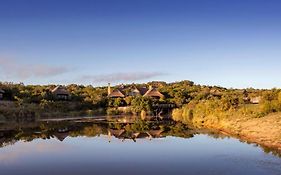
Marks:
<point>231,43</point>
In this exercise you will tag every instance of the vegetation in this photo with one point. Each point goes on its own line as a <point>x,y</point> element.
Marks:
<point>230,110</point>
<point>47,130</point>
<point>232,113</point>
<point>85,100</point>
<point>231,103</point>
<point>194,102</point>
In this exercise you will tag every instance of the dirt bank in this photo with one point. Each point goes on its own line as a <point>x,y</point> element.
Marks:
<point>265,131</point>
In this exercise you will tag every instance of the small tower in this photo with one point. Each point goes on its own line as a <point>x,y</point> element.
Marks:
<point>108,89</point>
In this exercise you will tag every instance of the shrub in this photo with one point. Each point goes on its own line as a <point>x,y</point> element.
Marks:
<point>139,104</point>
<point>113,111</point>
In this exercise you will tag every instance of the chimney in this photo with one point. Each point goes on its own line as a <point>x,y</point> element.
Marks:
<point>108,89</point>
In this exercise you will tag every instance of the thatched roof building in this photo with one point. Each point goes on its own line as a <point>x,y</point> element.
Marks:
<point>61,136</point>
<point>153,92</point>
<point>134,91</point>
<point>61,93</point>
<point>117,93</point>
<point>155,133</point>
<point>122,134</point>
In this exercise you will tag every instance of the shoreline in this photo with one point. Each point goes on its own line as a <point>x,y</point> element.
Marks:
<point>254,140</point>
<point>256,131</point>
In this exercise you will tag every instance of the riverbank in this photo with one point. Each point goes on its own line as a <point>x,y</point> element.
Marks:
<point>265,131</point>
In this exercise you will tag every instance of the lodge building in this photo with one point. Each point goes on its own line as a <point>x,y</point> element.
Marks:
<point>61,93</point>
<point>122,92</point>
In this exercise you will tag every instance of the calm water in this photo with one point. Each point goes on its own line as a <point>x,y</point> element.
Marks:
<point>101,148</point>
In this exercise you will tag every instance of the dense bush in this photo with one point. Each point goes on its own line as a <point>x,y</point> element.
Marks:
<point>193,100</point>
<point>271,102</point>
<point>140,104</point>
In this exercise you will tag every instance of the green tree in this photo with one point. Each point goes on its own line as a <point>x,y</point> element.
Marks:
<point>141,103</point>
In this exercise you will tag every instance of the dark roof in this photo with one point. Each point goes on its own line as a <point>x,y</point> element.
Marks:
<point>60,90</point>
<point>143,90</point>
<point>61,136</point>
<point>140,90</point>
<point>142,135</point>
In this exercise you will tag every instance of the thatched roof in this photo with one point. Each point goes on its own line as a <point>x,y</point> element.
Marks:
<point>60,90</point>
<point>116,133</point>
<point>155,133</point>
<point>134,91</point>
<point>142,135</point>
<point>153,92</point>
<point>117,93</point>
<point>2,91</point>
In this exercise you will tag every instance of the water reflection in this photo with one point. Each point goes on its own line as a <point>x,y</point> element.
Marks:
<point>118,128</point>
<point>123,128</point>
<point>125,146</point>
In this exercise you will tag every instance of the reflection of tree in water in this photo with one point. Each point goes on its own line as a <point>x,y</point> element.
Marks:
<point>139,129</point>
<point>121,130</point>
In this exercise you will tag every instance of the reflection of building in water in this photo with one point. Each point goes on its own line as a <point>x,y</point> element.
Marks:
<point>61,135</point>
<point>155,133</point>
<point>1,94</point>
<point>10,133</point>
<point>122,134</point>
<point>5,140</point>
<point>116,133</point>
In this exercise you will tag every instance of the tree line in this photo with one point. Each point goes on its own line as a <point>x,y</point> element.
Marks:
<point>89,100</point>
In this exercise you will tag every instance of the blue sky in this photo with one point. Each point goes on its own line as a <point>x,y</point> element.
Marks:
<point>214,42</point>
